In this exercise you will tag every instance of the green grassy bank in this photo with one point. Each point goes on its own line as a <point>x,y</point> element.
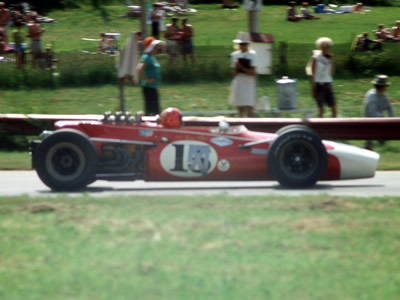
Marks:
<point>78,65</point>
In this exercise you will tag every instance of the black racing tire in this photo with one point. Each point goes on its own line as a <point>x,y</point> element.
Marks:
<point>66,160</point>
<point>297,158</point>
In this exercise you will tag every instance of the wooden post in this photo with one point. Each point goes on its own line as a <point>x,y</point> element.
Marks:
<point>143,23</point>
<point>253,21</point>
<point>121,95</point>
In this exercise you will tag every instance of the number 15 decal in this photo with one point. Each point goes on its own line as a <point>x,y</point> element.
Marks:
<point>188,159</point>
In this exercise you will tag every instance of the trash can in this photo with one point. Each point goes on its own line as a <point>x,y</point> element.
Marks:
<point>286,91</point>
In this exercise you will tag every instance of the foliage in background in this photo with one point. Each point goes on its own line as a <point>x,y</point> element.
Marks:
<point>46,5</point>
<point>81,69</point>
<point>76,68</point>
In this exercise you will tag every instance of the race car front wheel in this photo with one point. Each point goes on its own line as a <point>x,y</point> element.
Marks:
<point>297,158</point>
<point>66,160</point>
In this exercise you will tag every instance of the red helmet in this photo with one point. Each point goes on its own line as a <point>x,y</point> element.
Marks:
<point>171,117</point>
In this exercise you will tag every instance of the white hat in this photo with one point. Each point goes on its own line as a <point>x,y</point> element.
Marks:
<point>242,38</point>
<point>151,45</point>
<point>380,80</point>
<point>324,42</point>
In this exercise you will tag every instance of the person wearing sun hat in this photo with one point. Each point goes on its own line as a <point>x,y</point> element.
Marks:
<point>376,102</point>
<point>243,90</point>
<point>150,75</point>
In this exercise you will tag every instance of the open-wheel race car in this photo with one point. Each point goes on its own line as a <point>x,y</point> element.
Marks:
<point>124,147</point>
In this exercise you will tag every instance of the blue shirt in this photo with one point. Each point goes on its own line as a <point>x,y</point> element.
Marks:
<point>151,70</point>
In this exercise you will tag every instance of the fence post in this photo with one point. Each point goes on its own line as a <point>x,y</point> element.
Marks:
<point>283,65</point>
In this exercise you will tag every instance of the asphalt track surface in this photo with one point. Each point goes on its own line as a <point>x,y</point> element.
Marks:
<point>385,183</point>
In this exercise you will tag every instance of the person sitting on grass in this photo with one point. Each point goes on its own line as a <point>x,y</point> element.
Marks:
<point>228,4</point>
<point>291,12</point>
<point>396,30</point>
<point>305,12</point>
<point>364,43</point>
<point>384,34</point>
<point>106,44</point>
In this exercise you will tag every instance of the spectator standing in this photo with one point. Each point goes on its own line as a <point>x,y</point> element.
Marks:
<point>155,20</point>
<point>19,38</point>
<point>173,36</point>
<point>32,14</point>
<point>150,75</point>
<point>4,19</point>
<point>35,32</point>
<point>376,102</point>
<point>322,70</point>
<point>228,4</point>
<point>187,40</point>
<point>18,14</point>
<point>161,12</point>
<point>243,90</point>
<point>3,44</point>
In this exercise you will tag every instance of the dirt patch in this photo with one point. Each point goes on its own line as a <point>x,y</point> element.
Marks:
<point>333,203</point>
<point>43,208</point>
<point>313,224</point>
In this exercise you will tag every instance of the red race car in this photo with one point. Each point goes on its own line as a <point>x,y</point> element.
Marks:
<point>123,147</point>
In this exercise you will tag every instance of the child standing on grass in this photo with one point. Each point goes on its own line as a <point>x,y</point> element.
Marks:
<point>321,77</point>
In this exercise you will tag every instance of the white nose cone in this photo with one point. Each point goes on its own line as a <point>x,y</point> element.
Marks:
<point>355,162</point>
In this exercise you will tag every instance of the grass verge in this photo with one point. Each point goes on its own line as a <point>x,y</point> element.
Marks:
<point>199,248</point>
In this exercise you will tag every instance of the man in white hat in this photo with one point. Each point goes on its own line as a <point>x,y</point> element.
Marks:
<point>150,75</point>
<point>243,91</point>
<point>376,102</point>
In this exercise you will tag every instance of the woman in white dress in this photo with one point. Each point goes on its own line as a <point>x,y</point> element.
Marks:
<point>243,91</point>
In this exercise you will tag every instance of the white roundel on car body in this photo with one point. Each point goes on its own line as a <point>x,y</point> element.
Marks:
<point>223,165</point>
<point>188,158</point>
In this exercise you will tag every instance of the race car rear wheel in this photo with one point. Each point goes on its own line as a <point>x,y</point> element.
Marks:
<point>297,158</point>
<point>66,160</point>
